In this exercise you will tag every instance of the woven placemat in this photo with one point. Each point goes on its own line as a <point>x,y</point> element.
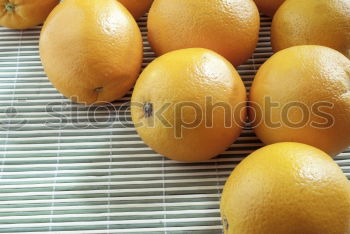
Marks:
<point>66,168</point>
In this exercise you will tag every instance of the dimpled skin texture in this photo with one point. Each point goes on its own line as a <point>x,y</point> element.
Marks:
<point>268,7</point>
<point>26,14</point>
<point>229,27</point>
<point>307,75</point>
<point>137,7</point>
<point>312,22</point>
<point>183,76</point>
<point>286,188</point>
<point>91,50</point>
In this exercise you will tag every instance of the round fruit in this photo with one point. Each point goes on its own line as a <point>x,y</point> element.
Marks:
<point>137,7</point>
<point>91,50</point>
<point>23,14</point>
<point>304,92</point>
<point>268,7</point>
<point>288,188</point>
<point>189,104</point>
<point>229,27</point>
<point>312,22</point>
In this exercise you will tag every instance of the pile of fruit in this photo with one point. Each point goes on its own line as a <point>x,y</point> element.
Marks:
<point>190,103</point>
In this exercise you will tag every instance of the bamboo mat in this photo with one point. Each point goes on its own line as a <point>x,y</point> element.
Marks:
<point>65,168</point>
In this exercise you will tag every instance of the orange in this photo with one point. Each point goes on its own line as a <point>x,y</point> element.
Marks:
<point>228,27</point>
<point>23,14</point>
<point>312,22</point>
<point>286,188</point>
<point>189,104</point>
<point>304,95</point>
<point>137,7</point>
<point>91,50</point>
<point>268,7</point>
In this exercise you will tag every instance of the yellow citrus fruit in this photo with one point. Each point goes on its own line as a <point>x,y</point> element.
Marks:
<point>268,7</point>
<point>228,27</point>
<point>286,188</point>
<point>312,22</point>
<point>23,14</point>
<point>189,104</point>
<point>137,7</point>
<point>91,50</point>
<point>303,94</point>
